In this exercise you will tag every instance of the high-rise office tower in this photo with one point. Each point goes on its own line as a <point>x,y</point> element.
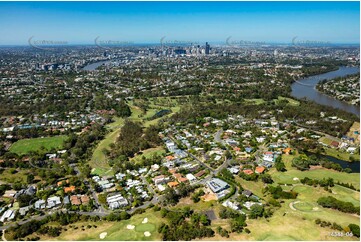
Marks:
<point>207,48</point>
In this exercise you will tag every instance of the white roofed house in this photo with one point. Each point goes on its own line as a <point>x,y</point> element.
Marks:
<point>105,184</point>
<point>120,176</point>
<point>190,177</point>
<point>351,150</point>
<point>53,202</point>
<point>260,139</point>
<point>154,167</point>
<point>142,170</point>
<point>159,180</point>
<point>24,210</point>
<point>161,188</point>
<point>249,204</point>
<point>232,205</point>
<point>40,204</point>
<point>8,215</point>
<point>234,169</point>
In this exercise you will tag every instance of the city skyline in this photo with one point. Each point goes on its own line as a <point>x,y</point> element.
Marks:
<point>148,22</point>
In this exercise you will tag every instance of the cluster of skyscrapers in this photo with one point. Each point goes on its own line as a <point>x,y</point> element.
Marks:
<point>187,50</point>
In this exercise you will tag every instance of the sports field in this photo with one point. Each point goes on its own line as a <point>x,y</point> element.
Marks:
<point>24,146</point>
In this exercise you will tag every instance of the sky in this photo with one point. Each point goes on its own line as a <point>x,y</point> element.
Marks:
<point>148,22</point>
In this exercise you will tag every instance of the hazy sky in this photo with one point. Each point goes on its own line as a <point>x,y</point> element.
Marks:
<point>148,22</point>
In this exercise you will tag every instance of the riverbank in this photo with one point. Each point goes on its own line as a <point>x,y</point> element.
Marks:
<point>345,89</point>
<point>93,66</point>
<point>331,96</point>
<point>305,88</point>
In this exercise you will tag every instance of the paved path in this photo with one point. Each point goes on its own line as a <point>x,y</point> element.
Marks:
<point>291,205</point>
<point>3,236</point>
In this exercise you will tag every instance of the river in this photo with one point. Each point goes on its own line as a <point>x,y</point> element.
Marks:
<point>354,166</point>
<point>93,66</point>
<point>309,91</point>
<point>307,88</point>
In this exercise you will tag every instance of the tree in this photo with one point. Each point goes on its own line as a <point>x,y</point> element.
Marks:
<point>124,215</point>
<point>204,220</point>
<point>256,211</point>
<point>30,178</point>
<point>266,178</point>
<point>280,166</point>
<point>170,197</point>
<point>24,200</point>
<point>238,223</point>
<point>355,229</point>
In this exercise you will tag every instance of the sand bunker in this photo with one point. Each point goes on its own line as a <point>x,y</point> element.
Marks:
<point>145,220</point>
<point>296,179</point>
<point>129,226</point>
<point>147,234</point>
<point>103,235</point>
<point>315,208</point>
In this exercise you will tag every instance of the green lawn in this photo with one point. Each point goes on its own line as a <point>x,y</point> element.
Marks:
<point>299,224</point>
<point>304,206</point>
<point>287,177</point>
<point>255,187</point>
<point>291,101</point>
<point>326,140</point>
<point>258,101</point>
<point>292,172</point>
<point>24,146</point>
<point>99,161</point>
<point>116,231</point>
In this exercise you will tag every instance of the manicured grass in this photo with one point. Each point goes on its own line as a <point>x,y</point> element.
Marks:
<point>299,224</point>
<point>99,159</point>
<point>326,140</point>
<point>255,187</point>
<point>304,206</point>
<point>116,231</point>
<point>288,224</point>
<point>346,194</point>
<point>287,177</point>
<point>24,146</point>
<point>292,172</point>
<point>291,101</point>
<point>256,101</point>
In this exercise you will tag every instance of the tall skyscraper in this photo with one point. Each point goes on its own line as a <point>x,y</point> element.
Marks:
<point>207,48</point>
